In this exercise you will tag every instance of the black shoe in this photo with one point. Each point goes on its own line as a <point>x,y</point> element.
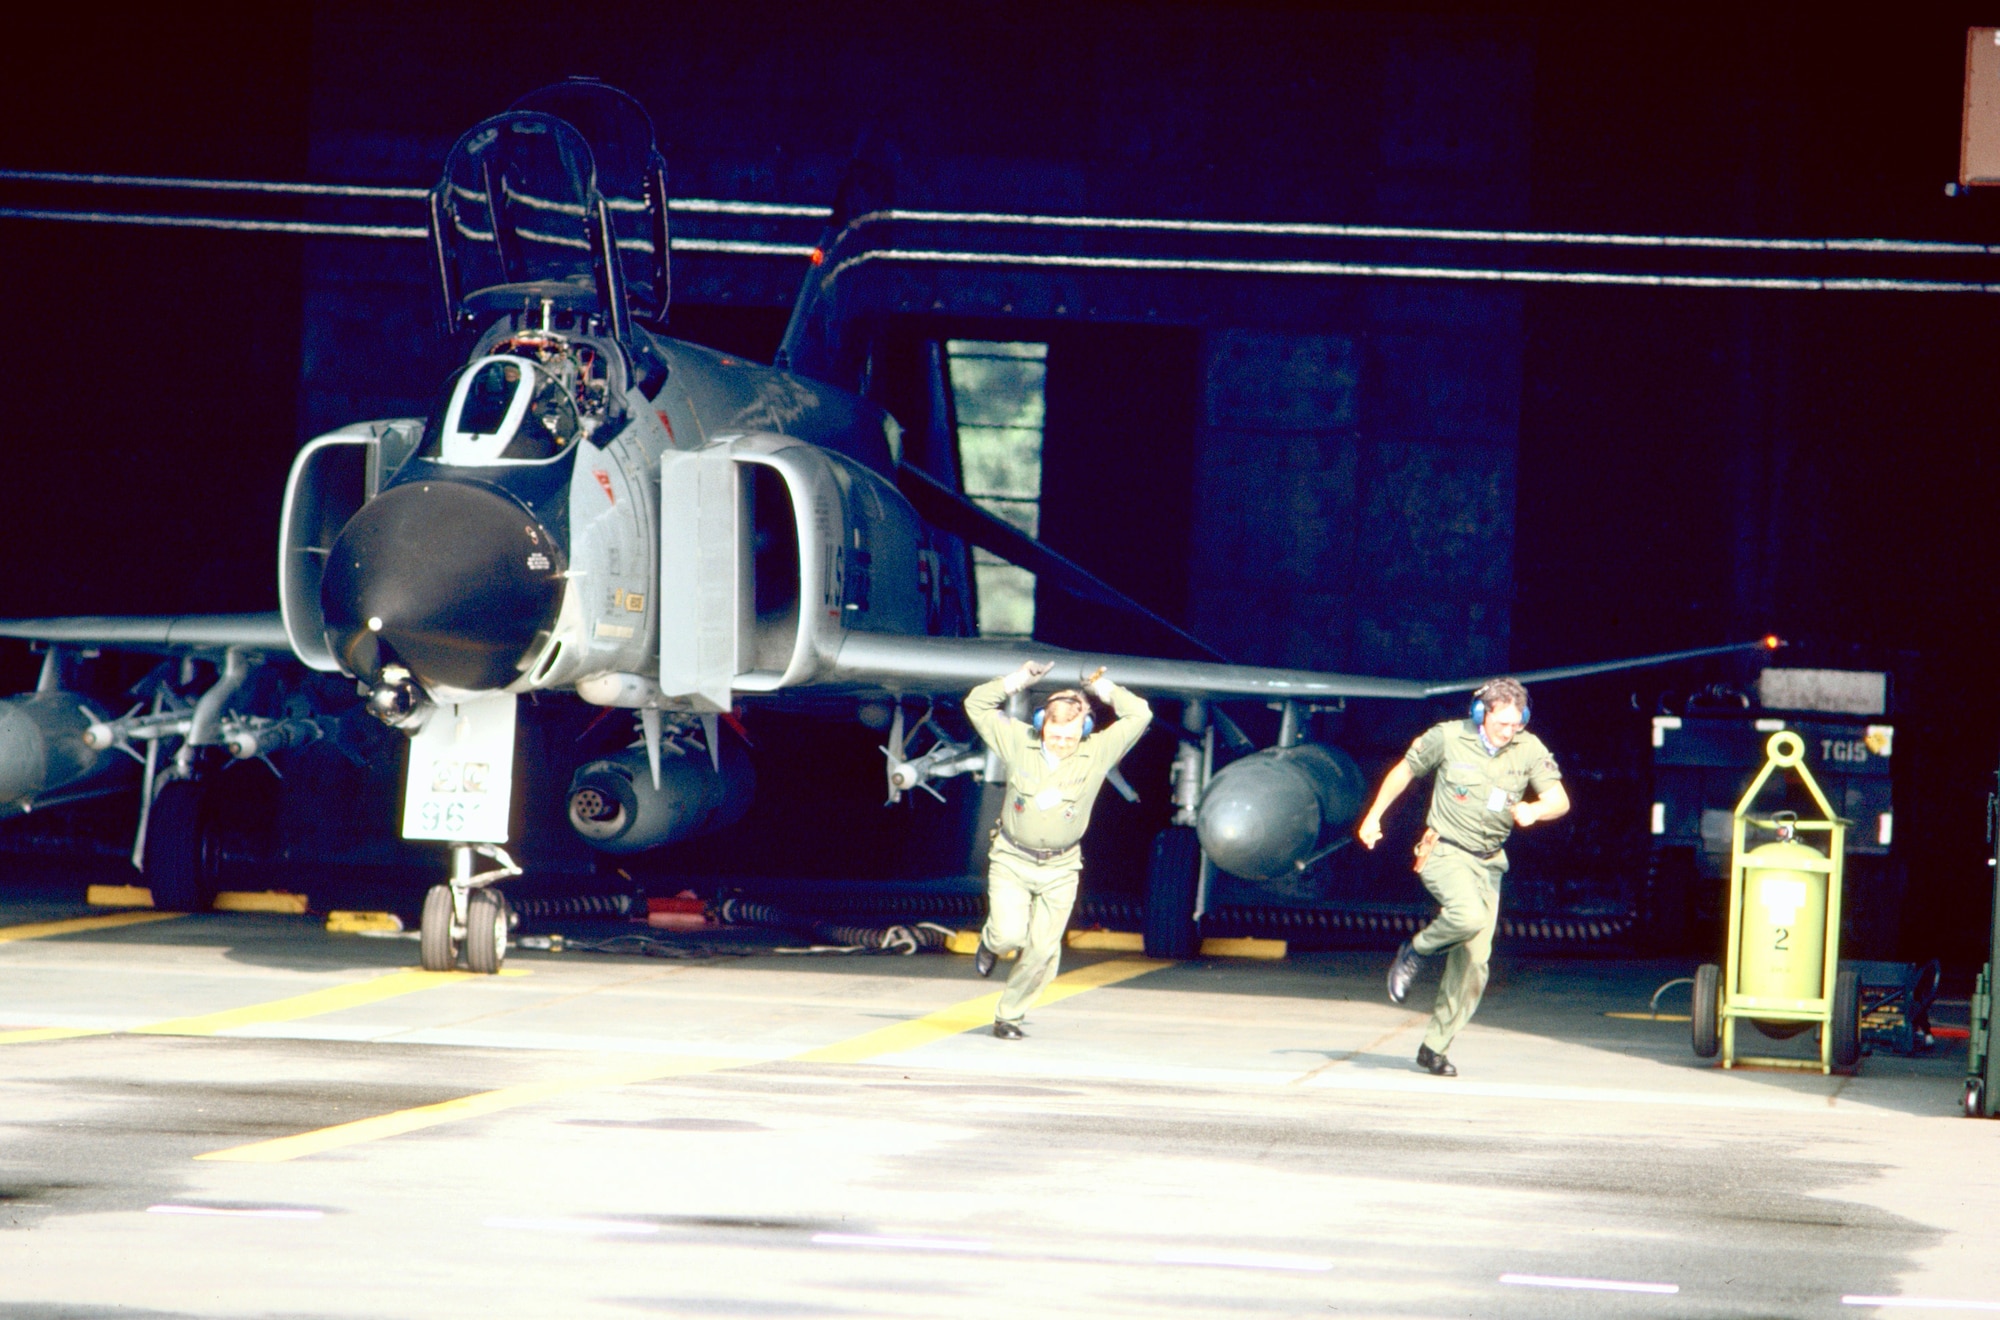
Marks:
<point>983,959</point>
<point>1402,971</point>
<point>1434,1063</point>
<point>1008,1030</point>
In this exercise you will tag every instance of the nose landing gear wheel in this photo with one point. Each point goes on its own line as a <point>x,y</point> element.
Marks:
<point>1707,1012</point>
<point>440,950</point>
<point>1975,1098</point>
<point>486,931</point>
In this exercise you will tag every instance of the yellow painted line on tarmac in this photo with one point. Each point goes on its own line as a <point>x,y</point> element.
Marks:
<point>27,1034</point>
<point>280,1149</point>
<point>41,930</point>
<point>973,1013</point>
<point>1651,1017</point>
<point>312,1004</point>
<point>887,1040</point>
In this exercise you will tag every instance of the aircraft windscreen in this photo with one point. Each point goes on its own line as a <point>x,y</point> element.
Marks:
<point>515,200</point>
<point>500,410</point>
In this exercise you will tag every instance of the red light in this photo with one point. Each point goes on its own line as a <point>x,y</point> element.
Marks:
<point>817,257</point>
<point>1772,642</point>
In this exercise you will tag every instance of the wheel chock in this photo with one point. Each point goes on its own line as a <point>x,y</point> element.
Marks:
<point>1271,950</point>
<point>269,900</point>
<point>1110,941</point>
<point>363,923</point>
<point>118,896</point>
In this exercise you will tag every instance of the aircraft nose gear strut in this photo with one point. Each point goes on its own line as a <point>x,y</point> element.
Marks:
<point>466,911</point>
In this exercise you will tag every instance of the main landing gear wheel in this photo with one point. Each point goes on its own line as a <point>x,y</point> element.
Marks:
<point>1172,877</point>
<point>440,950</point>
<point>1707,1011</point>
<point>176,858</point>
<point>485,931</point>
<point>1975,1098</point>
<point>1846,1023</point>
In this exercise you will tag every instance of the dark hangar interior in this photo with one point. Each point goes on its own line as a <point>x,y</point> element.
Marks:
<point>1410,476</point>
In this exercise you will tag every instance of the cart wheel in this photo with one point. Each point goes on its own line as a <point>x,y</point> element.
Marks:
<point>1975,1098</point>
<point>1846,1024</point>
<point>1707,1011</point>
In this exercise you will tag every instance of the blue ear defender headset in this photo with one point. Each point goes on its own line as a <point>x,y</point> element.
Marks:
<point>1478,711</point>
<point>1089,722</point>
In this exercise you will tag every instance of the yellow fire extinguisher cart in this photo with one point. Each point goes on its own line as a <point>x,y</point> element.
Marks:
<point>1781,970</point>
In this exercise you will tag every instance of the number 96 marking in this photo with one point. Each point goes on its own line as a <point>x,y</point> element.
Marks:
<point>442,817</point>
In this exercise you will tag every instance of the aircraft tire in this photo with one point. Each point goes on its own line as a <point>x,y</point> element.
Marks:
<point>1975,1098</point>
<point>176,857</point>
<point>1171,878</point>
<point>1706,1015</point>
<point>1846,1023</point>
<point>439,950</point>
<point>485,931</point>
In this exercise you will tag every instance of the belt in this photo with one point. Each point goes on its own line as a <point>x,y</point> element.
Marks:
<point>1039,854</point>
<point>1472,852</point>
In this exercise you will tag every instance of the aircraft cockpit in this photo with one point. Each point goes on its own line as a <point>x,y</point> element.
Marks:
<point>561,201</point>
<point>530,396</point>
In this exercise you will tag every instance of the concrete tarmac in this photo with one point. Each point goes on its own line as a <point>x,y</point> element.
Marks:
<point>242,1115</point>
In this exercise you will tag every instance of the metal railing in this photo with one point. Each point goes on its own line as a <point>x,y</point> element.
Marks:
<point>1033,240</point>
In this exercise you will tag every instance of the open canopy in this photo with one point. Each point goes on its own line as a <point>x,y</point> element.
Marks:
<point>562,199</point>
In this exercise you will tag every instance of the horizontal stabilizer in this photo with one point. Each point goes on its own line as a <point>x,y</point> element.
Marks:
<point>1613,666</point>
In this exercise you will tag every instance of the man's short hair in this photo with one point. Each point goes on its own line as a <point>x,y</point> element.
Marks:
<point>1503,692</point>
<point>1067,697</point>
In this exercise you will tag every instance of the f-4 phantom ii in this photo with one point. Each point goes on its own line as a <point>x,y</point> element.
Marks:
<point>596,509</point>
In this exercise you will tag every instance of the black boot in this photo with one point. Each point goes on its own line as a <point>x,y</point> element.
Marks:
<point>1008,1030</point>
<point>1434,1063</point>
<point>983,959</point>
<point>1402,971</point>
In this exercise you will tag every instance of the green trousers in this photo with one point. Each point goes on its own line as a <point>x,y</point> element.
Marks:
<point>1027,909</point>
<point>1468,894</point>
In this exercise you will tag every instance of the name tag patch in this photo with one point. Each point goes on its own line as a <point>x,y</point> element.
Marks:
<point>1497,800</point>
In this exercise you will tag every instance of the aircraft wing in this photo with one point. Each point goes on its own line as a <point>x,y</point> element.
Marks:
<point>169,633</point>
<point>891,664</point>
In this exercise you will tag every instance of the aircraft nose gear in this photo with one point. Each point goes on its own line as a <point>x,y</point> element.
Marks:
<point>465,911</point>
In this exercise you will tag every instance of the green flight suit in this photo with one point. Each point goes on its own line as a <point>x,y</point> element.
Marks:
<point>1471,809</point>
<point>1047,807</point>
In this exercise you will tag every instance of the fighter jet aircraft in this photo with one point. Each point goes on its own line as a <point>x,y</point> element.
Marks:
<point>593,508</point>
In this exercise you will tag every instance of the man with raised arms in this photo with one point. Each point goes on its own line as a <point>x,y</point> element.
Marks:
<point>1054,769</point>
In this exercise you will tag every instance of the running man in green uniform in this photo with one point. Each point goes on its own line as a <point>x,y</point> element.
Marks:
<point>1485,766</point>
<point>1054,770</point>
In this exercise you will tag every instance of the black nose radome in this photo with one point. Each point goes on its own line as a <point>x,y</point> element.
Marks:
<point>455,581</point>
